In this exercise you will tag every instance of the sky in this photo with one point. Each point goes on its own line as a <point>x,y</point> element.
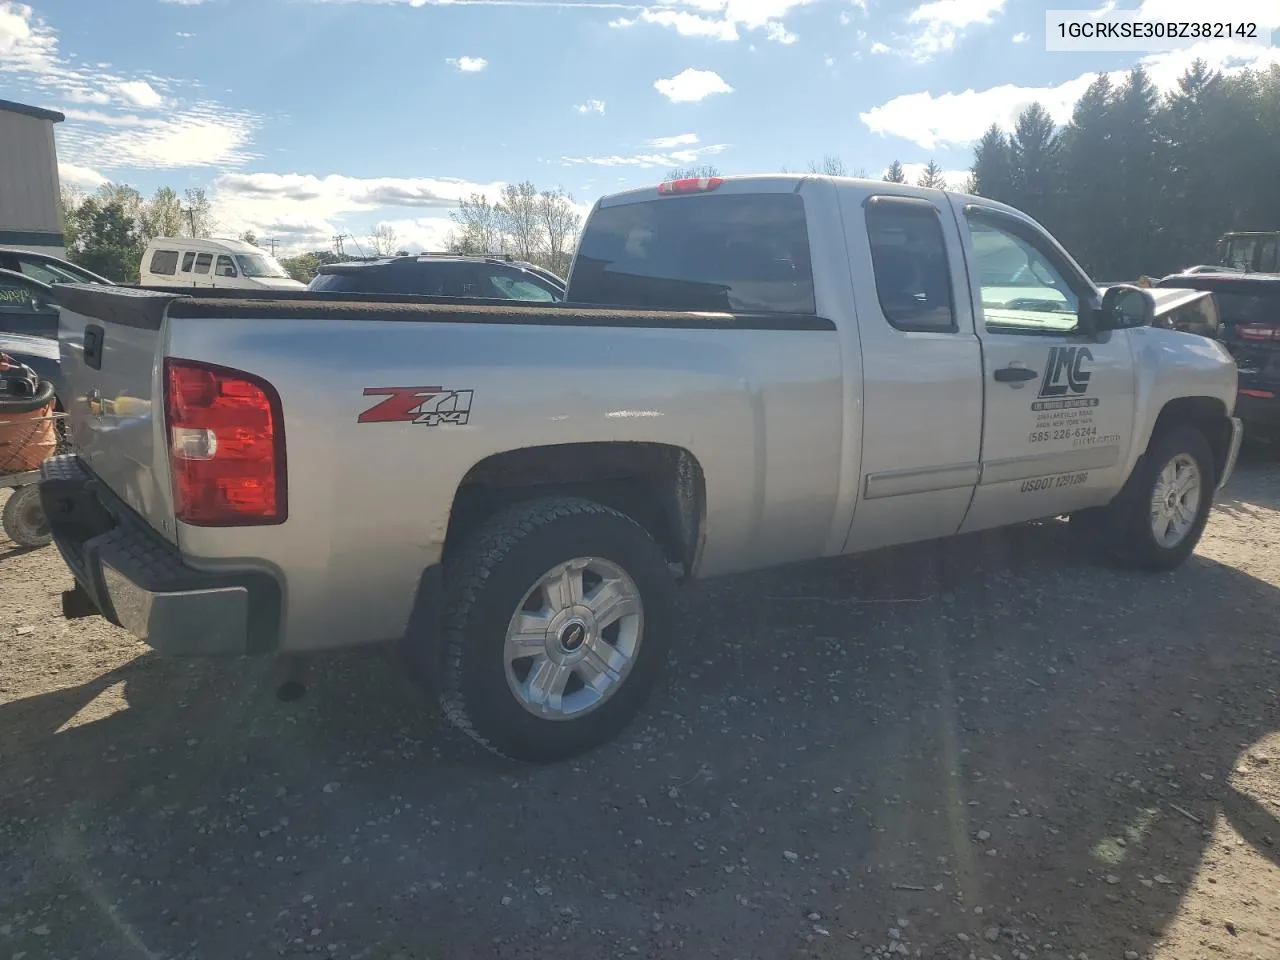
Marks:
<point>308,118</point>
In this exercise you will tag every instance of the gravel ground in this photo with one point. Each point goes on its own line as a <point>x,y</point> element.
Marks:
<point>983,748</point>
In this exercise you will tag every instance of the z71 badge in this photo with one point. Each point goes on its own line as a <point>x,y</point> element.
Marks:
<point>431,406</point>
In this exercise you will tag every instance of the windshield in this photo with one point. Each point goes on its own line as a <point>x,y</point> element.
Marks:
<point>259,265</point>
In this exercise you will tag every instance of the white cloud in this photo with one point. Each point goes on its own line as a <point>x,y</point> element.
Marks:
<point>690,85</point>
<point>959,118</point>
<point>941,22</point>
<point>467,64</point>
<point>70,174</point>
<point>679,140</point>
<point>185,3</point>
<point>304,211</point>
<point>591,106</point>
<point>1021,37</point>
<point>185,134</point>
<point>879,47</point>
<point>184,35</point>
<point>718,19</point>
<point>938,24</point>
<point>201,135</point>
<point>670,158</point>
<point>139,93</point>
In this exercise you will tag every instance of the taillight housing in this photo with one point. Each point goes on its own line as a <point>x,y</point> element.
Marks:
<point>1257,331</point>
<point>689,185</point>
<point>226,446</point>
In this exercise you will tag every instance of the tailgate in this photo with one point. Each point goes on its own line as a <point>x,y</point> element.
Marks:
<point>111,345</point>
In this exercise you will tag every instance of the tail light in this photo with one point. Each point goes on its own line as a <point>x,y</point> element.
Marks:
<point>1257,331</point>
<point>226,446</point>
<point>1258,394</point>
<point>689,185</point>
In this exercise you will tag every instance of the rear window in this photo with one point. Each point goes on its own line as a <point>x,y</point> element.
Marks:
<point>164,262</point>
<point>741,253</point>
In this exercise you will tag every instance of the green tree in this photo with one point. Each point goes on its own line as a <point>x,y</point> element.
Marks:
<point>108,242</point>
<point>932,176</point>
<point>1036,173</point>
<point>163,215</point>
<point>1090,158</point>
<point>895,173</point>
<point>992,170</point>
<point>199,213</point>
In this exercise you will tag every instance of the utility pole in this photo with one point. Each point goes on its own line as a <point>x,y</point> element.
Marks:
<point>191,218</point>
<point>273,242</point>
<point>337,244</point>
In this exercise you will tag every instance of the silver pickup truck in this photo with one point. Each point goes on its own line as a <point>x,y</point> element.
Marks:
<point>748,372</point>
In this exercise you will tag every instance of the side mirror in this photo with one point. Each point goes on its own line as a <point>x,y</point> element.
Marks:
<point>1125,306</point>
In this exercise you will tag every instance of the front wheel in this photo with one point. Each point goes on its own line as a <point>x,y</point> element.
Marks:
<point>1163,513</point>
<point>557,624</point>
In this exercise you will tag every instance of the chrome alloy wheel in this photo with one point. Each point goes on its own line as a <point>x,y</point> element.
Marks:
<point>1175,502</point>
<point>574,638</point>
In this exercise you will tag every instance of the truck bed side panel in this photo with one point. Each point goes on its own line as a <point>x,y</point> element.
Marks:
<point>369,502</point>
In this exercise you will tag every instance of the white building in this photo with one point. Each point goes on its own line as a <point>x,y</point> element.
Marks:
<point>29,190</point>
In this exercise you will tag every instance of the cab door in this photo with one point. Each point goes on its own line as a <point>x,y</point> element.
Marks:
<point>1059,402</point>
<point>921,369</point>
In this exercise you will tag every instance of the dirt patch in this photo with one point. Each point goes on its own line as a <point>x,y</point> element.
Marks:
<point>989,747</point>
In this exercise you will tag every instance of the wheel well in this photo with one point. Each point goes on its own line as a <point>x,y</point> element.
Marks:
<point>659,486</point>
<point>1206,414</point>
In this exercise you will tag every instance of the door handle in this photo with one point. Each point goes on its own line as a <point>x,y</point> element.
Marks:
<point>1015,374</point>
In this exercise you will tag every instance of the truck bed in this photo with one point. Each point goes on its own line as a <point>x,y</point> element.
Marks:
<point>371,491</point>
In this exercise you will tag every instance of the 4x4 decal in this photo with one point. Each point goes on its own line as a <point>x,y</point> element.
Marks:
<point>431,406</point>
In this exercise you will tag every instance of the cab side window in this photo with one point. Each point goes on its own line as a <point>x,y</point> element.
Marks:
<point>226,266</point>
<point>1022,290</point>
<point>909,258</point>
<point>164,262</point>
<point>203,260</point>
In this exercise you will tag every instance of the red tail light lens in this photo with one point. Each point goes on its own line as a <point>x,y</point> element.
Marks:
<point>689,185</point>
<point>226,446</point>
<point>1257,331</point>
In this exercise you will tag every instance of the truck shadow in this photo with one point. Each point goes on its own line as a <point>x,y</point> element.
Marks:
<point>989,723</point>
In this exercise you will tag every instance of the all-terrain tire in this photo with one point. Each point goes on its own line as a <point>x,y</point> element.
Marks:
<point>1130,526</point>
<point>484,586</point>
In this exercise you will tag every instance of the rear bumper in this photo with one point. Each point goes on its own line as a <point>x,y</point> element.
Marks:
<point>139,581</point>
<point>1260,414</point>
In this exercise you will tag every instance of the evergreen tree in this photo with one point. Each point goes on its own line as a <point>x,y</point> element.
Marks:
<point>932,176</point>
<point>895,173</point>
<point>992,170</point>
<point>1036,174</point>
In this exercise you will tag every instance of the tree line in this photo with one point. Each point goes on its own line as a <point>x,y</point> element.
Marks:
<point>108,230</point>
<point>1139,183</point>
<point>1135,183</point>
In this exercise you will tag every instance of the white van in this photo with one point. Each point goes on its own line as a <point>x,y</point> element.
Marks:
<point>188,262</point>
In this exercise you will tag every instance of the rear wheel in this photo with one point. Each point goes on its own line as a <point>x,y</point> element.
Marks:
<point>23,520</point>
<point>557,624</point>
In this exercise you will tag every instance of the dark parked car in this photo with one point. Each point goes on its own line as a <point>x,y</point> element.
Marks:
<point>1249,309</point>
<point>46,268</point>
<point>26,306</point>
<point>442,275</point>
